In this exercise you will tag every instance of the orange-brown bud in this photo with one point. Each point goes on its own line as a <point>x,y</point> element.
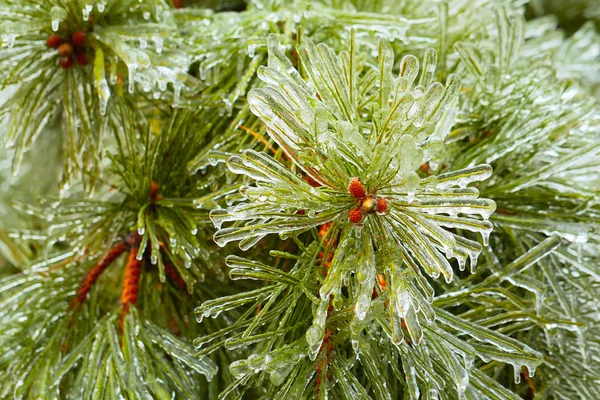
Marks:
<point>66,62</point>
<point>54,41</point>
<point>356,188</point>
<point>355,215</point>
<point>78,38</point>
<point>382,205</point>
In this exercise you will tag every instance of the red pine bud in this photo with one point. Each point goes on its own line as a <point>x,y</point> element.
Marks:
<point>356,188</point>
<point>178,3</point>
<point>66,62</point>
<point>382,205</point>
<point>54,41</point>
<point>153,188</point>
<point>382,281</point>
<point>355,215</point>
<point>81,59</point>
<point>78,38</point>
<point>65,49</point>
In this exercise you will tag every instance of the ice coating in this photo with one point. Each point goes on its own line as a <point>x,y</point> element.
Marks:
<point>316,333</point>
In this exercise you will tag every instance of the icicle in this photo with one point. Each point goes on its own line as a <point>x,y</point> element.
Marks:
<point>517,373</point>
<point>252,49</point>
<point>100,80</point>
<point>316,333</point>
<point>366,277</point>
<point>57,14</point>
<point>158,42</point>
<point>131,68</point>
<point>87,9</point>
<point>402,301</point>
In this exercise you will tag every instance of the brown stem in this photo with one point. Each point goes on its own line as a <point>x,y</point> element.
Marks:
<point>95,272</point>
<point>131,281</point>
<point>531,391</point>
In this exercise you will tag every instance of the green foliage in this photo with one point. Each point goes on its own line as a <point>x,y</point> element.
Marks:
<point>353,126</point>
<point>172,232</point>
<point>78,95</point>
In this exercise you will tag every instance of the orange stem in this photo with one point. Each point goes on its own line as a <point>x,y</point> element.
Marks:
<point>95,272</point>
<point>531,391</point>
<point>258,136</point>
<point>131,281</point>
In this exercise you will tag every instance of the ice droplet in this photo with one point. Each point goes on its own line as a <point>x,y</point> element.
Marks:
<point>131,69</point>
<point>57,14</point>
<point>517,370</point>
<point>363,304</point>
<point>158,42</point>
<point>104,96</point>
<point>251,49</point>
<point>87,9</point>
<point>485,235</point>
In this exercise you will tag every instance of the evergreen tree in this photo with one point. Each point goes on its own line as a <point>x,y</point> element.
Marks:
<point>279,199</point>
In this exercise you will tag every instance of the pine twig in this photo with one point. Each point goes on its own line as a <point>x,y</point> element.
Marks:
<point>95,272</point>
<point>131,282</point>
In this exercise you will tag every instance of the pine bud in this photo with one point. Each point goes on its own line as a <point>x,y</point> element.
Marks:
<point>65,49</point>
<point>355,215</point>
<point>66,62</point>
<point>78,38</point>
<point>382,281</point>
<point>356,188</point>
<point>382,205</point>
<point>369,205</point>
<point>54,41</point>
<point>81,59</point>
<point>153,188</point>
